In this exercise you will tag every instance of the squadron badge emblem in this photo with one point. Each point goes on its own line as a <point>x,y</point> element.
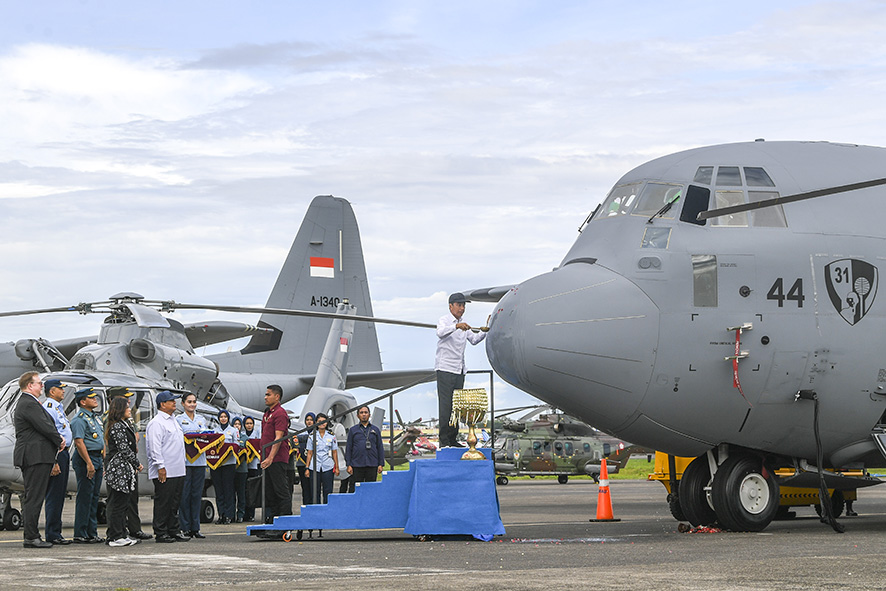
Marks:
<point>852,285</point>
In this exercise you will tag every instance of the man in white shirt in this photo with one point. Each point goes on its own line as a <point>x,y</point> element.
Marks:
<point>452,336</point>
<point>165,443</point>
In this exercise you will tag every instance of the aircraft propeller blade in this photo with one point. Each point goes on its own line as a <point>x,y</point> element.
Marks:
<point>706,215</point>
<point>170,306</point>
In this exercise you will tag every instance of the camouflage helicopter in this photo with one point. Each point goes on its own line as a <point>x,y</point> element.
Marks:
<point>545,442</point>
<point>405,442</point>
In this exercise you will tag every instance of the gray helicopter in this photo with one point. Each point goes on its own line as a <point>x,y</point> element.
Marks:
<point>144,351</point>
<point>721,304</point>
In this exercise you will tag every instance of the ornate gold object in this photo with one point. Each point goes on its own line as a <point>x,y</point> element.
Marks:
<point>469,407</point>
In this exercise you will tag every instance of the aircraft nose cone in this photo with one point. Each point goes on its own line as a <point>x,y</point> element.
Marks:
<point>582,338</point>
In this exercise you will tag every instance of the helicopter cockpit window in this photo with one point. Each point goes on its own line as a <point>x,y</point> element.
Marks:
<point>620,201</point>
<point>536,448</point>
<point>586,447</point>
<point>558,448</point>
<point>607,449</point>
<point>568,448</point>
<point>728,176</point>
<point>655,196</point>
<point>9,397</point>
<point>142,411</point>
<point>704,175</point>
<point>704,280</point>
<point>757,177</point>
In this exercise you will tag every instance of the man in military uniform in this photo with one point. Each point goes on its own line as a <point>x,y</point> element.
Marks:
<point>87,463</point>
<point>58,481</point>
<point>133,520</point>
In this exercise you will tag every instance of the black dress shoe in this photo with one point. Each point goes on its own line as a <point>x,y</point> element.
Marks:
<point>182,537</point>
<point>164,539</point>
<point>38,543</point>
<point>60,541</point>
<point>220,521</point>
<point>80,540</point>
<point>198,535</point>
<point>141,535</point>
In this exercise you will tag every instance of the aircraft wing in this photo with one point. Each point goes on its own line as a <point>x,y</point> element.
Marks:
<point>382,380</point>
<point>201,334</point>
<point>487,294</point>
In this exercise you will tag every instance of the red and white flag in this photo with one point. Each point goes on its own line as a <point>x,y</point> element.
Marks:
<point>322,267</point>
<point>344,345</point>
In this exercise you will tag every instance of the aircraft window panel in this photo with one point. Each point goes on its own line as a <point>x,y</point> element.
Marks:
<point>142,411</point>
<point>757,177</point>
<point>728,199</point>
<point>655,196</point>
<point>620,200</point>
<point>767,217</point>
<point>728,176</point>
<point>586,447</point>
<point>606,449</point>
<point>569,448</point>
<point>704,280</point>
<point>656,238</point>
<point>704,175</point>
<point>698,199</point>
<point>536,448</point>
<point>547,447</point>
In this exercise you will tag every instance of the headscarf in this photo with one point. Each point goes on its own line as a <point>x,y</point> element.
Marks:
<point>224,412</point>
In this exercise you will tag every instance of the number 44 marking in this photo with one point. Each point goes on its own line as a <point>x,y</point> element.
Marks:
<point>795,293</point>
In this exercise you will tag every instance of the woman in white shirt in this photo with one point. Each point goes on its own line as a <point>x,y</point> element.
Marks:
<point>324,464</point>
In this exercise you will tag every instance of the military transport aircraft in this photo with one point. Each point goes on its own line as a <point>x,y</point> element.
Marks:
<point>544,442</point>
<point>720,303</point>
<point>306,351</point>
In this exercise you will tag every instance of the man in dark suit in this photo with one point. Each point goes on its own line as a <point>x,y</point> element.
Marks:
<point>37,442</point>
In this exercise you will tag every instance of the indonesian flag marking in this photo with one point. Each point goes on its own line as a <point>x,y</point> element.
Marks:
<point>344,345</point>
<point>322,267</point>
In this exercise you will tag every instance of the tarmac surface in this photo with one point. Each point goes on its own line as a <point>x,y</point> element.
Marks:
<point>549,544</point>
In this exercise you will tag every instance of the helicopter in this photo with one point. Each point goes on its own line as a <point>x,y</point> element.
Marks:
<point>141,349</point>
<point>720,303</point>
<point>544,442</point>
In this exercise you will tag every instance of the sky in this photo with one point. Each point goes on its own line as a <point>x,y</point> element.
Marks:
<point>172,148</point>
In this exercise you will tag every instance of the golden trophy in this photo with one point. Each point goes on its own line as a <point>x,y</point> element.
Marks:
<point>469,407</point>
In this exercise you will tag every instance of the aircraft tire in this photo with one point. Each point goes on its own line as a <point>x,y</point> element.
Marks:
<point>12,519</point>
<point>676,509</point>
<point>562,479</point>
<point>207,511</point>
<point>745,494</point>
<point>693,497</point>
<point>837,504</point>
<point>501,480</point>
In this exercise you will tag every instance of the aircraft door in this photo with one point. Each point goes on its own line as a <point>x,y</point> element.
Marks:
<point>736,285</point>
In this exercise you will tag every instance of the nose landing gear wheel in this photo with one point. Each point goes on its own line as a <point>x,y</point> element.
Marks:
<point>745,494</point>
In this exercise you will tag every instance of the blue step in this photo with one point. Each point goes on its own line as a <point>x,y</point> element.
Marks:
<point>432,497</point>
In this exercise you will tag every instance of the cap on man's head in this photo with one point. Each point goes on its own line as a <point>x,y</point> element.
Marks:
<point>457,298</point>
<point>119,391</point>
<point>85,393</point>
<point>50,384</point>
<point>166,396</point>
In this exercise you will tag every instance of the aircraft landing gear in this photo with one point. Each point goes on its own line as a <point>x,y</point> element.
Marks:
<point>501,480</point>
<point>207,511</point>
<point>11,518</point>
<point>745,493</point>
<point>693,493</point>
<point>562,479</point>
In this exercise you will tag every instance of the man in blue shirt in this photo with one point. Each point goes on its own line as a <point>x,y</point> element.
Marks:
<point>58,481</point>
<point>364,453</point>
<point>87,463</point>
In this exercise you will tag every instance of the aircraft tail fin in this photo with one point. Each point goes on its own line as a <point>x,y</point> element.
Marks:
<point>323,269</point>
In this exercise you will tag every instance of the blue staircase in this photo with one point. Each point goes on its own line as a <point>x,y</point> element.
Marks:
<point>432,497</point>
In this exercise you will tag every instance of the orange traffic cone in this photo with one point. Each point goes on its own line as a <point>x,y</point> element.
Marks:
<point>604,503</point>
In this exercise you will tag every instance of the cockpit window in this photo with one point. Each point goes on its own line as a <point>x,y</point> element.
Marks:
<point>703,175</point>
<point>728,199</point>
<point>655,196</point>
<point>757,177</point>
<point>767,217</point>
<point>728,176</point>
<point>620,201</point>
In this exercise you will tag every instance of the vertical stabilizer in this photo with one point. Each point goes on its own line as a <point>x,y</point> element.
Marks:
<point>324,268</point>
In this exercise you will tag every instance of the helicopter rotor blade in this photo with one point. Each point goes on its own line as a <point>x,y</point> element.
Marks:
<point>170,306</point>
<point>83,308</point>
<point>706,215</point>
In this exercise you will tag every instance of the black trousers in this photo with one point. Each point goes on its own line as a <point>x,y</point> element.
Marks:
<point>36,479</point>
<point>117,509</point>
<point>362,474</point>
<point>447,383</point>
<point>133,521</point>
<point>278,491</point>
<point>55,496</point>
<point>167,496</point>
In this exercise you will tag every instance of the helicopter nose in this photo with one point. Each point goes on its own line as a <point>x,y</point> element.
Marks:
<point>581,337</point>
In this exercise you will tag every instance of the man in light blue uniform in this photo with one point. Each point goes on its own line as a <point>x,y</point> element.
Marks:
<point>58,481</point>
<point>87,463</point>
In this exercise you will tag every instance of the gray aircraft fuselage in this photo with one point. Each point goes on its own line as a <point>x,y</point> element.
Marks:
<point>629,332</point>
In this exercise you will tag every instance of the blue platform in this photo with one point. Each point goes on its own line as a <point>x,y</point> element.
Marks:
<point>443,496</point>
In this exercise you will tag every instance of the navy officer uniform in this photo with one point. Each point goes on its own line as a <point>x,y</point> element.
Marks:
<point>58,482</point>
<point>89,441</point>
